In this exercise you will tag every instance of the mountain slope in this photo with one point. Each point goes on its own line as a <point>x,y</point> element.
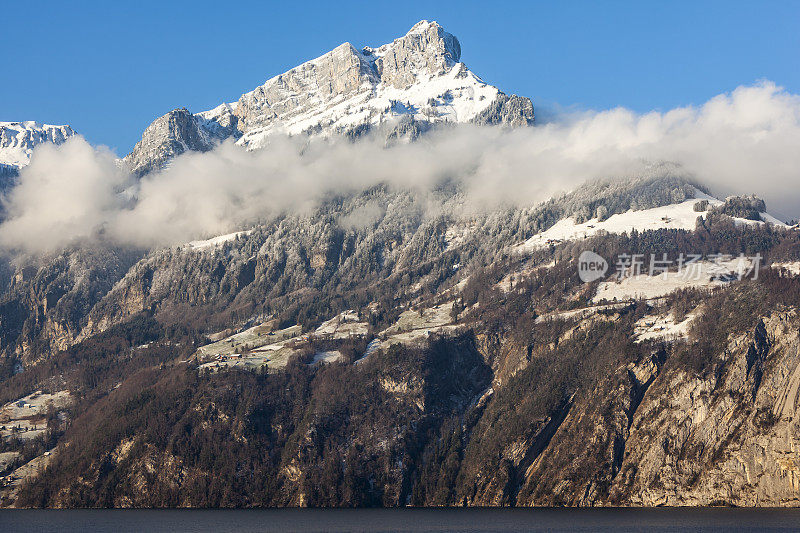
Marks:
<point>301,260</point>
<point>505,410</point>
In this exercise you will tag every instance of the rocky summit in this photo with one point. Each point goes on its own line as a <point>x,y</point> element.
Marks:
<point>177,132</point>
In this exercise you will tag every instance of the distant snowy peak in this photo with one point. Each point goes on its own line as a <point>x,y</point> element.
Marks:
<point>404,86</point>
<point>18,139</point>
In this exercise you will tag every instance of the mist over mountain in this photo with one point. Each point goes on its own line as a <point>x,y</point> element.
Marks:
<point>724,144</point>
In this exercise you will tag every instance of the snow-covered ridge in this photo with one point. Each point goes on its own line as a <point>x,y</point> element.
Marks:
<point>682,215</point>
<point>18,139</point>
<point>417,76</point>
<point>401,87</point>
<point>216,241</point>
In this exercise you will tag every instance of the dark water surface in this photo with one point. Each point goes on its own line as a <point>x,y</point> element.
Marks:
<point>287,520</point>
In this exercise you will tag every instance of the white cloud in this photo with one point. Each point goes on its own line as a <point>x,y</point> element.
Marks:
<point>67,193</point>
<point>745,141</point>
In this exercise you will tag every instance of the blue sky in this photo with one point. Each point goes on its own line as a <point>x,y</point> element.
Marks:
<point>109,68</point>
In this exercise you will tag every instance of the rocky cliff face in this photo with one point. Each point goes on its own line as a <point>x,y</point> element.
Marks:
<point>343,72</point>
<point>45,307</point>
<point>177,132</point>
<point>426,50</point>
<point>653,432</point>
<point>729,438</point>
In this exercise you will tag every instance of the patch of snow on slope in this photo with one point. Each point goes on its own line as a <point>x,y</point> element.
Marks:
<point>35,404</point>
<point>662,327</point>
<point>416,326</point>
<point>326,357</point>
<point>216,241</point>
<point>343,326</point>
<point>766,218</point>
<point>372,347</point>
<point>676,216</point>
<point>579,314</point>
<point>703,275</point>
<point>792,267</point>
<point>220,110</point>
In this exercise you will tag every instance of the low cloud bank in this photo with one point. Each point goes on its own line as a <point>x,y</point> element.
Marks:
<point>743,142</point>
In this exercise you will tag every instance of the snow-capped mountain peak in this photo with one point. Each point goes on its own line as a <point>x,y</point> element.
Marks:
<point>425,49</point>
<point>405,86</point>
<point>18,139</point>
<point>415,77</point>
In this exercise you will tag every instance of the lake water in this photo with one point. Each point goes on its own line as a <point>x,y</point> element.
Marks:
<point>413,520</point>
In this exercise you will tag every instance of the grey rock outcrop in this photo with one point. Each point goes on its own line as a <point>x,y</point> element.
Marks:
<point>425,50</point>
<point>177,132</point>
<point>342,71</point>
<point>731,438</point>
